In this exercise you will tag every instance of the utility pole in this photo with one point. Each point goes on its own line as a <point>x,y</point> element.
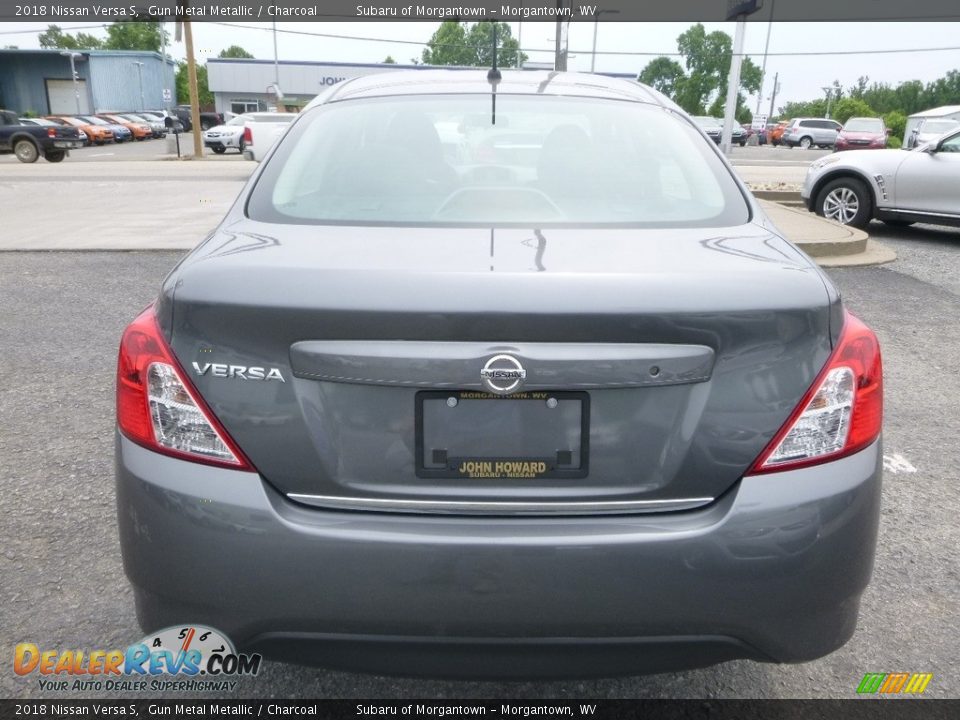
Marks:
<point>596,24</point>
<point>560,49</point>
<point>194,92</point>
<point>163,69</point>
<point>733,84</point>
<point>766,48</point>
<point>773,94</point>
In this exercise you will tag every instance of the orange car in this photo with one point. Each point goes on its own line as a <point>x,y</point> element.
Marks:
<point>140,131</point>
<point>97,134</point>
<point>777,132</point>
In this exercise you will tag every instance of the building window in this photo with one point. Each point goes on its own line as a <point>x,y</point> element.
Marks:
<point>238,107</point>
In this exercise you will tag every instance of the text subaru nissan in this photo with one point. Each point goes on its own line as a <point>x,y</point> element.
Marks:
<point>500,385</point>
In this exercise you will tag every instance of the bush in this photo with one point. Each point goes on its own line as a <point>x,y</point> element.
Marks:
<point>894,142</point>
<point>896,122</point>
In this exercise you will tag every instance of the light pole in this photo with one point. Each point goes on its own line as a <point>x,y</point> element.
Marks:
<point>140,78</point>
<point>596,24</point>
<point>829,92</point>
<point>73,74</point>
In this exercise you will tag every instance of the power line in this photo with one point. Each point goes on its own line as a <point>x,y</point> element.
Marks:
<point>624,53</point>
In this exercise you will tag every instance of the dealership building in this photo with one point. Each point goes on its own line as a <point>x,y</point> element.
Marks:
<point>38,82</point>
<point>242,85</point>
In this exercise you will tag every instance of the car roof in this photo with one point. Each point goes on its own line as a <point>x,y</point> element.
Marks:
<point>472,81</point>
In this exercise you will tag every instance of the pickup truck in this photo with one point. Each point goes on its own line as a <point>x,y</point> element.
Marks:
<point>29,142</point>
<point>261,131</point>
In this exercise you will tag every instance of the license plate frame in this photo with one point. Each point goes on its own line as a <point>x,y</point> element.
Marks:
<point>500,466</point>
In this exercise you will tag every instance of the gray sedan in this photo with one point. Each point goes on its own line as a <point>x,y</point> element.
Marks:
<point>417,406</point>
<point>899,187</point>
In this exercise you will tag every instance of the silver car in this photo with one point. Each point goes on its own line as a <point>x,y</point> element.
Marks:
<point>899,187</point>
<point>575,410</point>
<point>811,132</point>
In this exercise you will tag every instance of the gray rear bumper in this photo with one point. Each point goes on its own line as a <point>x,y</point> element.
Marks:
<point>773,570</point>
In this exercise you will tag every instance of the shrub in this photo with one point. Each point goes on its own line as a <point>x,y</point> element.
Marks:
<point>894,142</point>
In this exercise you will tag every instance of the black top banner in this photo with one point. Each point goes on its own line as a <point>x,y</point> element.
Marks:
<point>512,709</point>
<point>479,10</point>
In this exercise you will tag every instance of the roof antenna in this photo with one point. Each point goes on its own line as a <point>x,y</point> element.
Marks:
<point>494,77</point>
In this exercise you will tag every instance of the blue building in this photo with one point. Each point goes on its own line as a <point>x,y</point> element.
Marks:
<point>39,81</point>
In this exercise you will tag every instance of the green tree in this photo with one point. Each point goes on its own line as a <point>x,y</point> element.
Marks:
<point>135,35</point>
<point>662,74</point>
<point>706,57</point>
<point>846,108</point>
<point>896,122</point>
<point>235,51</point>
<point>183,85</point>
<point>55,38</point>
<point>388,60</point>
<point>456,43</point>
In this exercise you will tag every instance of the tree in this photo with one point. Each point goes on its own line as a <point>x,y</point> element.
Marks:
<point>235,51</point>
<point>456,43</point>
<point>707,60</point>
<point>662,74</point>
<point>846,108</point>
<point>389,60</point>
<point>55,38</point>
<point>135,35</point>
<point>183,85</point>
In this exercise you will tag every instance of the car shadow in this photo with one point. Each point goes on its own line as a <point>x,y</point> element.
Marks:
<point>943,234</point>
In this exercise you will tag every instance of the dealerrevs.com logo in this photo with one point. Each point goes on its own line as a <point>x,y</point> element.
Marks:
<point>187,657</point>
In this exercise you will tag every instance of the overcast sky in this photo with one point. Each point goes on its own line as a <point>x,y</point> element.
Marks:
<point>801,77</point>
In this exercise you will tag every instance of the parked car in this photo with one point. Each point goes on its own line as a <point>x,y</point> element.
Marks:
<point>139,130</point>
<point>230,134</point>
<point>776,132</point>
<point>811,132</point>
<point>43,122</point>
<point>121,133</point>
<point>607,421</point>
<point>207,119</point>
<point>931,129</point>
<point>261,132</point>
<point>157,127</point>
<point>900,187</point>
<point>862,134</point>
<point>97,134</point>
<point>30,142</point>
<point>714,128</point>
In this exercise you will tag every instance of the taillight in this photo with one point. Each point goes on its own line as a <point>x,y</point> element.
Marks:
<point>51,132</point>
<point>158,407</point>
<point>247,135</point>
<point>840,414</point>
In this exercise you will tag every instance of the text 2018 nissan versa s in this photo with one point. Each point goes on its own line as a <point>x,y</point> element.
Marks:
<point>500,386</point>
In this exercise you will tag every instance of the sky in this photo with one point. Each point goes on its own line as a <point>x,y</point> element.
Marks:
<point>800,77</point>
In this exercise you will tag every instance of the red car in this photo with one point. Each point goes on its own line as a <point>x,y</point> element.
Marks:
<point>862,134</point>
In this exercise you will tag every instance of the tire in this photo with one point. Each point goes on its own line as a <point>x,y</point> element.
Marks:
<point>899,223</point>
<point>54,156</point>
<point>846,200</point>
<point>806,143</point>
<point>26,151</point>
<point>775,143</point>
<point>243,146</point>
<point>742,143</point>
<point>219,150</point>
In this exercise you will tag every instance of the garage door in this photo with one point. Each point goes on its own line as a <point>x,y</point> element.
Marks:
<point>62,99</point>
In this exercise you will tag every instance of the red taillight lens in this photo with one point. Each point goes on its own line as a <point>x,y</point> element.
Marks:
<point>51,132</point>
<point>158,407</point>
<point>840,414</point>
<point>247,136</point>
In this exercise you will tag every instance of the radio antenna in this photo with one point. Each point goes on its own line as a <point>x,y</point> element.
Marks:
<point>494,77</point>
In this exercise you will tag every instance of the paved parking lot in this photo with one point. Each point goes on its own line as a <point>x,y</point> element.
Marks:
<point>63,585</point>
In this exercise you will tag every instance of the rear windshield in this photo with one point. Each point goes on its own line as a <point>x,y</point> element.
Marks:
<point>870,125</point>
<point>939,126</point>
<point>545,161</point>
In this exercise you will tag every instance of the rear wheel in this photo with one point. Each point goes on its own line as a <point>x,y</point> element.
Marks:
<point>26,151</point>
<point>219,150</point>
<point>847,201</point>
<point>806,143</point>
<point>243,146</point>
<point>54,155</point>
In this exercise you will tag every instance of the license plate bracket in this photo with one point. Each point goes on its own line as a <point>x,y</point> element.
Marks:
<point>481,436</point>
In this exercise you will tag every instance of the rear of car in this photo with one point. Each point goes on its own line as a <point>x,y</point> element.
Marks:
<point>139,130</point>
<point>421,407</point>
<point>862,134</point>
<point>261,131</point>
<point>810,133</point>
<point>96,134</point>
<point>930,130</point>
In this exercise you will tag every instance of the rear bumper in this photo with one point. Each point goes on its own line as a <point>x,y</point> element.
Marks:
<point>771,571</point>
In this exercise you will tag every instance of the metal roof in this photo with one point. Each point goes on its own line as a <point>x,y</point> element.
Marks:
<point>938,112</point>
